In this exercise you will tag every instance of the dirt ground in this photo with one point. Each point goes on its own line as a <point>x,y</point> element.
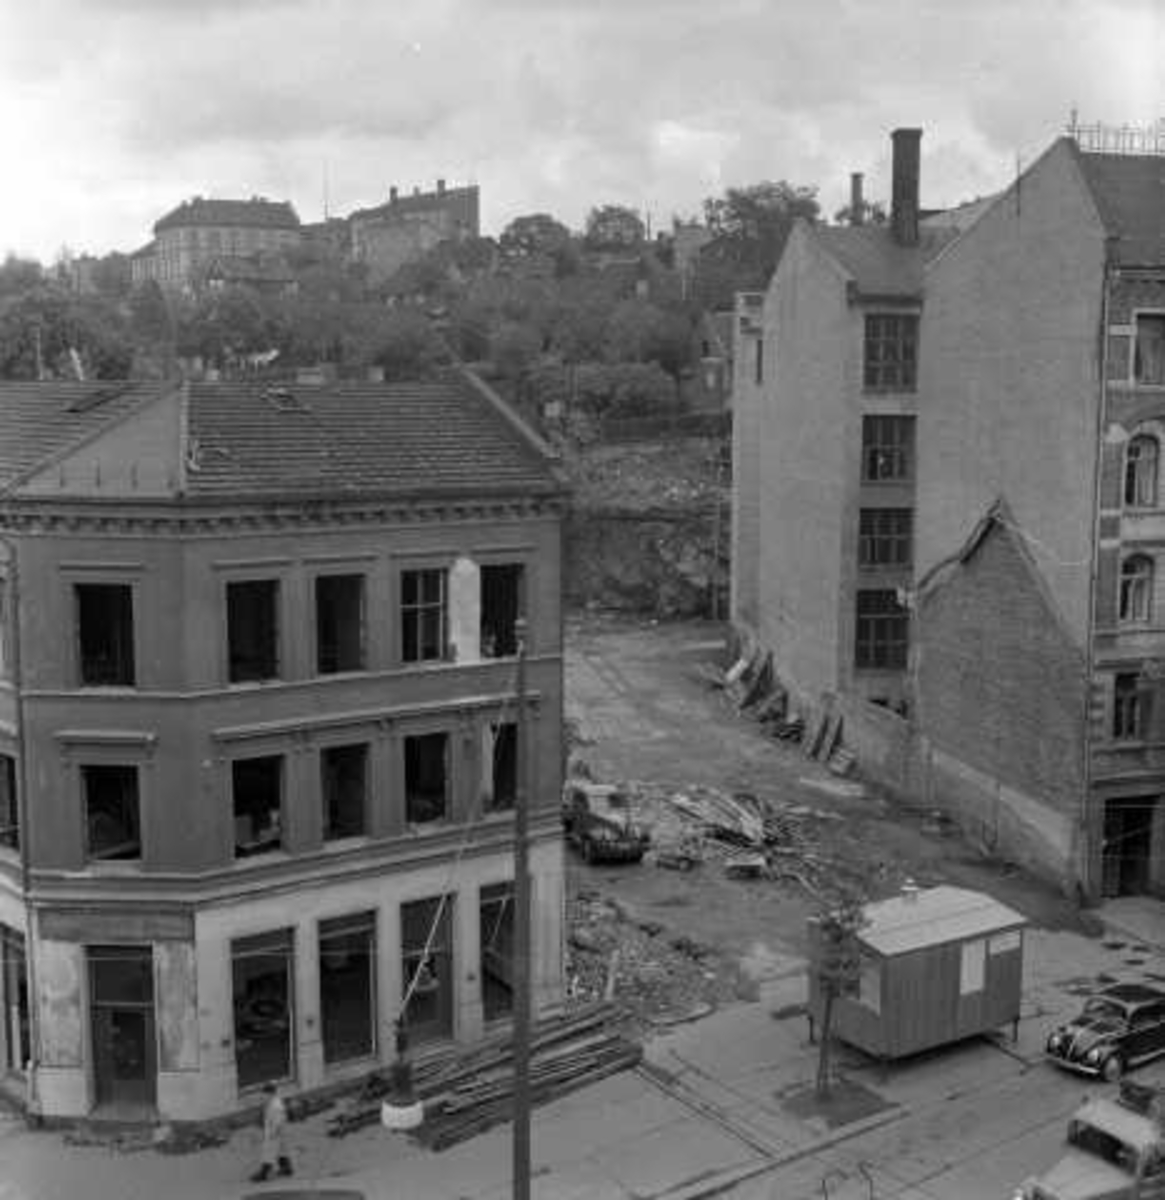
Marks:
<point>642,713</point>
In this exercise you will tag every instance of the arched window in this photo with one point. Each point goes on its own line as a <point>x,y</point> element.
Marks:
<point>1136,591</point>
<point>1141,472</point>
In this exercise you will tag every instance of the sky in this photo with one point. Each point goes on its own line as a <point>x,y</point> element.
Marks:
<point>112,112</point>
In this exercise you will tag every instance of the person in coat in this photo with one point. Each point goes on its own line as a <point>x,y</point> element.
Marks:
<point>275,1155</point>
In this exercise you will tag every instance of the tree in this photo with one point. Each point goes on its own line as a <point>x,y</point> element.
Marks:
<point>42,329</point>
<point>613,227</point>
<point>539,234</point>
<point>837,965</point>
<point>639,331</point>
<point>873,213</point>
<point>409,347</point>
<point>19,275</point>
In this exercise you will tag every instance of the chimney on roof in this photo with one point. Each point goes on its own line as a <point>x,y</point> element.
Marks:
<point>416,191</point>
<point>904,187</point>
<point>440,187</point>
<point>857,206</point>
<point>392,194</point>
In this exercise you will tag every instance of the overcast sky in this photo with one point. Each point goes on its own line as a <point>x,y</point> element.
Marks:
<point>114,111</point>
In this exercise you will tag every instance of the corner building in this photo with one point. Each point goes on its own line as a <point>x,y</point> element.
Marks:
<point>259,733</point>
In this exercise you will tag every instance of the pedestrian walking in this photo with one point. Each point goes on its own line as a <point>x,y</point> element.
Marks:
<point>275,1154</point>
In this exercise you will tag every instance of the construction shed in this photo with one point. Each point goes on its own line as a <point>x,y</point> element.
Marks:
<point>935,965</point>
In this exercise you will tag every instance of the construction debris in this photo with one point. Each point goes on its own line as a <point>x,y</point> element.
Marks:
<point>466,1092</point>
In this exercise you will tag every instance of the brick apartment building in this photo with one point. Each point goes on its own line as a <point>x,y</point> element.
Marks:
<point>958,508</point>
<point>200,231</point>
<point>259,732</point>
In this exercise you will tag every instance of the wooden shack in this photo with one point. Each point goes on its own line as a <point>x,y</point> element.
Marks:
<point>936,965</point>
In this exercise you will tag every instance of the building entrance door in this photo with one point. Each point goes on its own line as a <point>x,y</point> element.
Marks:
<point>1128,833</point>
<point>121,990</point>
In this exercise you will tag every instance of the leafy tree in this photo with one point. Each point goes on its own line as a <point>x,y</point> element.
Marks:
<point>614,226</point>
<point>873,213</point>
<point>19,275</point>
<point>539,234</point>
<point>513,347</point>
<point>40,328</point>
<point>639,331</point>
<point>228,325</point>
<point>408,346</point>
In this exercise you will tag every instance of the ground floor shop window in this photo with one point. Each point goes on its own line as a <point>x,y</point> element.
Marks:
<point>121,995</point>
<point>262,972</point>
<point>14,996</point>
<point>427,959</point>
<point>348,987</point>
<point>497,950</point>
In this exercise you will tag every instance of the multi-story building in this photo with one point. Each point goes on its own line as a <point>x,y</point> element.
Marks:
<point>959,508</point>
<point>200,231</point>
<point>259,732</point>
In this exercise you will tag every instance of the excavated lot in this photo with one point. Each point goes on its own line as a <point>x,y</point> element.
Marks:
<point>671,944</point>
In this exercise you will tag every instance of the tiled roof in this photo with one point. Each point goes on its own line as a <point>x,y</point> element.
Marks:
<point>1130,193</point>
<point>878,264</point>
<point>436,438</point>
<point>40,420</point>
<point>267,214</point>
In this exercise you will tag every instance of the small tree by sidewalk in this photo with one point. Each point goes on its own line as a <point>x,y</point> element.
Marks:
<point>839,918</point>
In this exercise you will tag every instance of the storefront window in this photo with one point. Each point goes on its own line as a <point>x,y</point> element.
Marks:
<point>262,971</point>
<point>428,974</point>
<point>14,995</point>
<point>497,950</point>
<point>348,986</point>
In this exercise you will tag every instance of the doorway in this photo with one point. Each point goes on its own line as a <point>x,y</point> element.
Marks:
<point>1128,838</point>
<point>121,1005</point>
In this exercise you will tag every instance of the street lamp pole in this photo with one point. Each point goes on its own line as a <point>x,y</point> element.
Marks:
<point>521,972</point>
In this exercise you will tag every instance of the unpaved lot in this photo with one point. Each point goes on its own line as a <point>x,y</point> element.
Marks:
<point>643,714</point>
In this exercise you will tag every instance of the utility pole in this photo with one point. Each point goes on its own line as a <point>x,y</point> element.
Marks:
<point>521,1169</point>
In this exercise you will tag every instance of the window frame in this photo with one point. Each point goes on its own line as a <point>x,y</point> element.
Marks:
<point>10,833</point>
<point>364,924</point>
<point>881,548</point>
<point>127,651</point>
<point>415,610</point>
<point>898,451</point>
<point>275,582</point>
<point>1135,589</point>
<point>1156,315</point>
<point>257,847</point>
<point>1132,707</point>
<point>871,643</point>
<point>1142,475</point>
<point>336,747</point>
<point>521,567</point>
<point>322,578</point>
<point>447,801</point>
<point>894,366</point>
<point>85,768</point>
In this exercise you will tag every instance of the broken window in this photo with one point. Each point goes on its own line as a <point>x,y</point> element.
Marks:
<point>427,961</point>
<point>891,356</point>
<point>1131,706</point>
<point>9,808</point>
<point>5,632</point>
<point>1141,472</point>
<point>884,537</point>
<point>502,602</point>
<point>344,783</point>
<point>253,630</point>
<point>105,634</point>
<point>426,778</point>
<point>262,970</point>
<point>496,921</point>
<point>348,987</point>
<point>424,620</point>
<point>501,764</point>
<point>1149,349</point>
<point>112,816</point>
<point>1136,588</point>
<point>339,623</point>
<point>887,449</point>
<point>257,792</point>
<point>15,1036</point>
<point>882,630</point>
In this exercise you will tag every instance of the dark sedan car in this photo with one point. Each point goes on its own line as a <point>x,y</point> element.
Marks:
<point>1120,1027</point>
<point>597,818</point>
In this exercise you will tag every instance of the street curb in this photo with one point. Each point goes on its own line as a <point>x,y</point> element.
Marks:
<point>701,1189</point>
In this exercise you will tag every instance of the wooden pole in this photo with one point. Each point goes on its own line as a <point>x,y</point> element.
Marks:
<point>521,975</point>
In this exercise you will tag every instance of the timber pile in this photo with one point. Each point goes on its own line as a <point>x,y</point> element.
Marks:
<point>467,1092</point>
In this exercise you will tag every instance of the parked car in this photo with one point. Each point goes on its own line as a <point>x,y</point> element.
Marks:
<point>598,820</point>
<point>1119,1027</point>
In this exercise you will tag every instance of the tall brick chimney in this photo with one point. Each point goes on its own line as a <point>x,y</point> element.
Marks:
<point>857,206</point>
<point>392,194</point>
<point>904,188</point>
<point>440,187</point>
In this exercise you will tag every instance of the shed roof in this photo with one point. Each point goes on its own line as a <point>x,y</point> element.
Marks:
<point>933,917</point>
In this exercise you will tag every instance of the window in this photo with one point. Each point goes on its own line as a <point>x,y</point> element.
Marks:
<point>348,987</point>
<point>105,634</point>
<point>5,631</point>
<point>1141,472</point>
<point>427,978</point>
<point>253,630</point>
<point>760,361</point>
<point>112,817</point>
<point>1136,588</point>
<point>426,778</point>
<point>887,449</point>
<point>344,785</point>
<point>9,806</point>
<point>1149,349</point>
<point>884,537</point>
<point>262,969</point>
<point>501,766</point>
<point>15,1037</point>
<point>339,623</point>
<point>1131,706</point>
<point>496,931</point>
<point>423,615</point>
<point>882,631</point>
<point>257,792</point>
<point>891,352</point>
<point>502,602</point>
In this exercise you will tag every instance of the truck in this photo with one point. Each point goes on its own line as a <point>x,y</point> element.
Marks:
<point>1116,1151</point>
